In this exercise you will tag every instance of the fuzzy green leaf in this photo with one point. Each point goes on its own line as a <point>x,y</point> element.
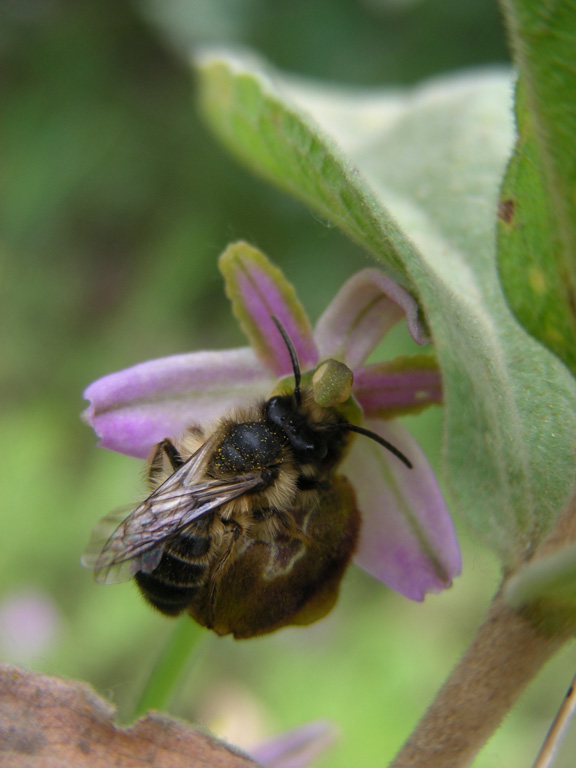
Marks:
<point>250,115</point>
<point>529,248</point>
<point>530,252</point>
<point>434,157</point>
<point>542,177</point>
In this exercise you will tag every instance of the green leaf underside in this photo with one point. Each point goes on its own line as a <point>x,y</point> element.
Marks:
<point>435,156</point>
<point>543,38</point>
<point>530,254</point>
<point>251,118</point>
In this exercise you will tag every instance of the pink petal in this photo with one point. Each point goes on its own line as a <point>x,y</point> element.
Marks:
<point>400,386</point>
<point>30,622</point>
<point>407,538</point>
<point>258,290</point>
<point>297,748</point>
<point>361,314</point>
<point>134,409</point>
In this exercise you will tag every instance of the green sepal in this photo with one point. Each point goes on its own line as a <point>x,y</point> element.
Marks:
<point>259,291</point>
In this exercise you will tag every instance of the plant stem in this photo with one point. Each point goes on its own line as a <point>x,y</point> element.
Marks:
<point>169,666</point>
<point>505,655</point>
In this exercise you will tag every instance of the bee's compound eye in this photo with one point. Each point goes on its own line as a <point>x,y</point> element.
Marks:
<point>279,410</point>
<point>308,446</point>
<point>307,443</point>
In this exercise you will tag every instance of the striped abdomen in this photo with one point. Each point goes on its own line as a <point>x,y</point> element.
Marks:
<point>182,575</point>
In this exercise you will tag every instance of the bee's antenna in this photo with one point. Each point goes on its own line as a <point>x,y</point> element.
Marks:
<point>293,358</point>
<point>373,436</point>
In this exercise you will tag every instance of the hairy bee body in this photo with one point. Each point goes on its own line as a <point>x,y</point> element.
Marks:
<point>272,553</point>
<point>273,545</point>
<point>249,527</point>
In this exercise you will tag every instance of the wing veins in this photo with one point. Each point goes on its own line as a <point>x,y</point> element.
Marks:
<point>133,537</point>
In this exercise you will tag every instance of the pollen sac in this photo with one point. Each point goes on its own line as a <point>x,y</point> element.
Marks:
<point>292,578</point>
<point>332,383</point>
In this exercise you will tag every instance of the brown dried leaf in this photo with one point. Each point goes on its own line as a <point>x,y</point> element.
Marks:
<point>47,722</point>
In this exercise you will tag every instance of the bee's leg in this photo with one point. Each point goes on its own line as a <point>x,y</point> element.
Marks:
<point>214,582</point>
<point>311,484</point>
<point>172,454</point>
<point>294,529</point>
<point>234,528</point>
<point>165,461</point>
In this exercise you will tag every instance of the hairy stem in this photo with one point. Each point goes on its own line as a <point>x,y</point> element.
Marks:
<point>505,655</point>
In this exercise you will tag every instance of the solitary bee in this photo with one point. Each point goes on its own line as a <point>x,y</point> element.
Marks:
<point>249,527</point>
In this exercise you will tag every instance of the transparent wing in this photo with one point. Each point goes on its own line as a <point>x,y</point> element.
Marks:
<point>119,548</point>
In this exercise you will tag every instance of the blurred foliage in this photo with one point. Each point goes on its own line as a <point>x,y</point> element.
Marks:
<point>115,204</point>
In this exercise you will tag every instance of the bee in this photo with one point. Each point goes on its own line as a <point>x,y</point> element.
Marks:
<point>249,526</point>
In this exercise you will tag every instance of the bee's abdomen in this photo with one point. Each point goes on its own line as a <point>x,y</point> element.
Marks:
<point>179,577</point>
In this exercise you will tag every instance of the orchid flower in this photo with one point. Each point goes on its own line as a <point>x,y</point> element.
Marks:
<point>407,538</point>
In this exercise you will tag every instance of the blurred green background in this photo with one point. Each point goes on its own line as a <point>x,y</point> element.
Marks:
<point>116,202</point>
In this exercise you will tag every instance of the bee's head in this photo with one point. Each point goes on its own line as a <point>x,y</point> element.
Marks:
<point>284,412</point>
<point>311,444</point>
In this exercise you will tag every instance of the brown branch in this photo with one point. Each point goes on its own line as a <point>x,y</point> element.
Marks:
<point>509,649</point>
<point>505,655</point>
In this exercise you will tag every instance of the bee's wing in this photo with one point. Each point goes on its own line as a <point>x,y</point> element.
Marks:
<point>118,550</point>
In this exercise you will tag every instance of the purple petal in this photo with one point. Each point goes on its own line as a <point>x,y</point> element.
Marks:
<point>407,538</point>
<point>361,314</point>
<point>134,409</point>
<point>297,748</point>
<point>400,386</point>
<point>30,622</point>
<point>258,290</point>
